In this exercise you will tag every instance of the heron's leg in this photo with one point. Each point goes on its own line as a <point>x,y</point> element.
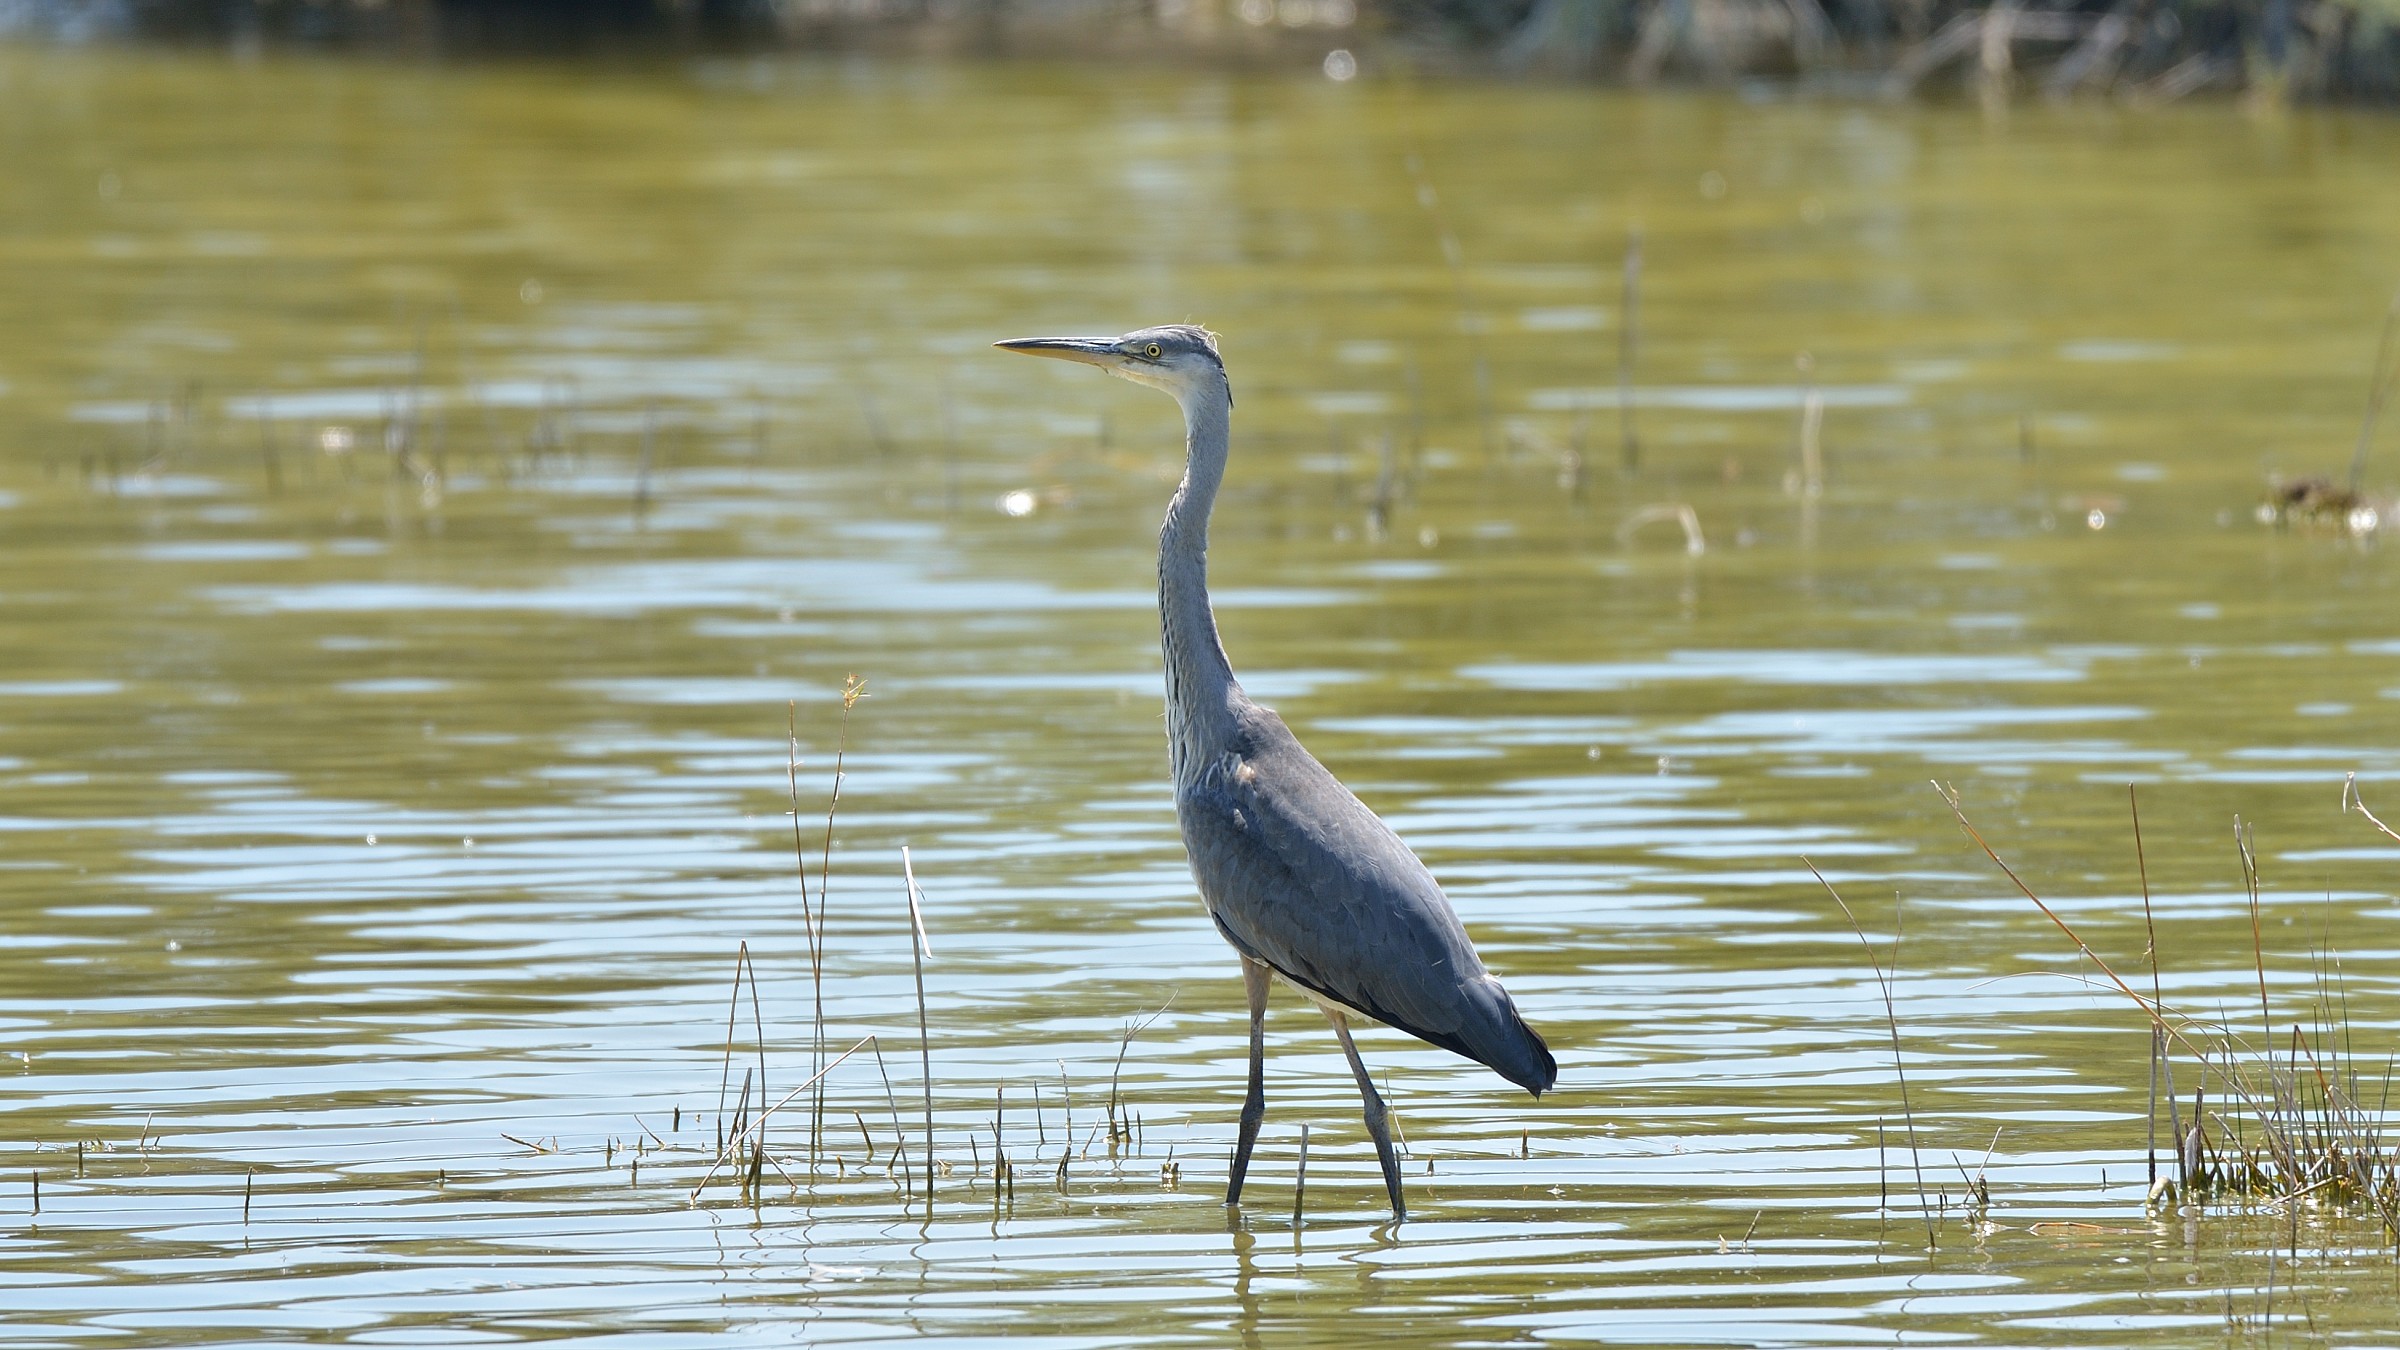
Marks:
<point>1254,1107</point>
<point>1378,1122</point>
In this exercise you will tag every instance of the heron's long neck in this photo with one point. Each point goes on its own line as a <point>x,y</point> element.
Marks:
<point>1198,676</point>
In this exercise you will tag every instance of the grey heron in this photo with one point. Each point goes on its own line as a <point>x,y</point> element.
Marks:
<point>1304,881</point>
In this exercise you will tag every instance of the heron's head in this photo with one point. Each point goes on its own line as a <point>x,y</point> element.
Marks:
<point>1179,358</point>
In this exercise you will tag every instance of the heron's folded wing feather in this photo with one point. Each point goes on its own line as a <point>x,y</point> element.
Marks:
<point>1300,874</point>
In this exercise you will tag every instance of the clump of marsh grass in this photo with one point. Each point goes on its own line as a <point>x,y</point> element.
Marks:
<point>746,1113</point>
<point>2291,1114</point>
<point>741,1134</point>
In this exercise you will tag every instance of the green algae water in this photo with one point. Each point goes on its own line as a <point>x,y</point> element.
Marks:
<point>427,497</point>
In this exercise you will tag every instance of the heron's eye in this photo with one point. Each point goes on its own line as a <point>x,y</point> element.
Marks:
<point>1151,351</point>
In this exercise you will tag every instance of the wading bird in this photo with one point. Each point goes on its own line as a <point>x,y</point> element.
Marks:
<point>1303,880</point>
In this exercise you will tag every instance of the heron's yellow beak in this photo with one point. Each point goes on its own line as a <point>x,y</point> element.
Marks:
<point>1091,351</point>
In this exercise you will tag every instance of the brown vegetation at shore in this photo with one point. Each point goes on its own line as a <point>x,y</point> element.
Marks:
<point>2134,50</point>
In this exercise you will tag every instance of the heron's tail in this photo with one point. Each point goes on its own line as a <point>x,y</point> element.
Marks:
<point>1499,1038</point>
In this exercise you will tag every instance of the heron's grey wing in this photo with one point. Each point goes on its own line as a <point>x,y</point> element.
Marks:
<point>1300,874</point>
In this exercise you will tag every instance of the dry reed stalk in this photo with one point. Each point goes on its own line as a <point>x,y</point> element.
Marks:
<point>1629,445</point>
<point>854,688</point>
<point>1300,1181</point>
<point>1891,1021</point>
<point>2258,954</point>
<point>1470,320</point>
<point>751,1181</point>
<point>918,952</point>
<point>741,1110</point>
<point>1695,542</point>
<point>2159,1058</point>
<point>741,964</point>
<point>2352,801</point>
<point>899,1136</point>
<point>1415,468</point>
<point>1399,1126</point>
<point>808,920</point>
<point>1808,481</point>
<point>1883,1183</point>
<point>2380,380</point>
<point>1124,1129</point>
<point>641,476</point>
<point>1379,506</point>
<point>1949,795</point>
<point>1066,1107</point>
<point>1979,1190</point>
<point>267,452</point>
<point>872,414</point>
<point>2150,1118</point>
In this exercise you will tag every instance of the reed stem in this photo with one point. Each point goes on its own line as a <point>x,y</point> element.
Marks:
<point>917,952</point>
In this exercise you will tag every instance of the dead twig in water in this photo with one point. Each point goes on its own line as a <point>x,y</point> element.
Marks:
<point>2352,801</point>
<point>1694,542</point>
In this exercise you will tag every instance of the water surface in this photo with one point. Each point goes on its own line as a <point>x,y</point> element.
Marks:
<point>425,496</point>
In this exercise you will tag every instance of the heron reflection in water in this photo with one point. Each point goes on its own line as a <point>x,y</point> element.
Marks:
<point>1300,877</point>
